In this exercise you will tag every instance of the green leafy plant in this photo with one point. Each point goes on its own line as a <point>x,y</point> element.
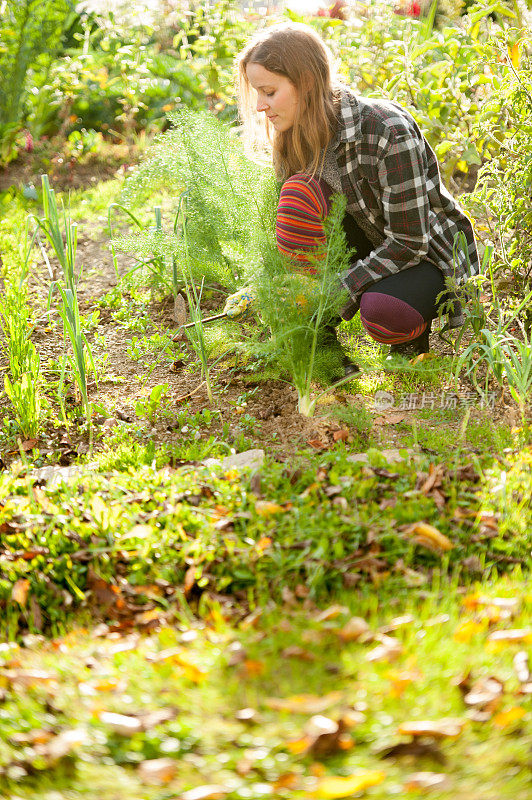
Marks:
<point>299,310</point>
<point>501,200</point>
<point>64,246</point>
<point>153,404</point>
<point>22,382</point>
<point>30,35</point>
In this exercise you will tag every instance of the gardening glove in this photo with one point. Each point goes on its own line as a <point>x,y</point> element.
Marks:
<point>238,304</point>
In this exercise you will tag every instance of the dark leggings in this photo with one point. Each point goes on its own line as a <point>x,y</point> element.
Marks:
<point>397,308</point>
<point>400,307</point>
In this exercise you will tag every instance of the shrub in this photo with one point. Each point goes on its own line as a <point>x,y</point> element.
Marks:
<point>30,36</point>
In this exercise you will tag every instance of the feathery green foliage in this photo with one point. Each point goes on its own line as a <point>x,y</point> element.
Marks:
<point>231,205</point>
<point>300,310</point>
<point>204,158</point>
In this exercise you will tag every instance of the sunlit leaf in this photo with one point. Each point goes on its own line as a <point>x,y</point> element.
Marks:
<point>333,787</point>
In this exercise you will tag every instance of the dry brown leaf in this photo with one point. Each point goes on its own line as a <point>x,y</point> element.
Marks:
<point>294,651</point>
<point>389,419</point>
<point>354,629</point>
<point>20,591</point>
<point>485,694</point>
<point>425,781</point>
<point>521,666</point>
<point>289,780</point>
<point>419,748</point>
<point>326,736</point>
<point>190,580</point>
<point>208,792</point>
<point>511,636</point>
<point>428,536</point>
<point>389,649</point>
<point>28,445</point>
<point>157,771</point>
<point>331,613</point>
<point>439,729</point>
<point>28,678</point>
<point>126,725</point>
<point>317,444</point>
<point>62,745</point>
<point>341,436</point>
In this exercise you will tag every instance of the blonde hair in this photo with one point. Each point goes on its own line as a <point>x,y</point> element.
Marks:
<point>295,51</point>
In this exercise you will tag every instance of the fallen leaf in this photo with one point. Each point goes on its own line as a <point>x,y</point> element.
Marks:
<point>418,749</point>
<point>326,736</point>
<point>294,651</point>
<point>425,781</point>
<point>265,508</point>
<point>62,745</point>
<point>422,357</point>
<point>317,444</point>
<point>389,649</point>
<point>429,536</point>
<point>331,613</point>
<point>400,680</point>
<point>252,668</point>
<point>105,594</point>
<point>473,601</point>
<point>208,792</point>
<point>354,629</point>
<point>120,723</point>
<point>28,445</point>
<point>466,630</point>
<point>389,419</point>
<point>20,591</point>
<point>28,678</point>
<point>511,636</point>
<point>157,771</point>
<point>521,666</point>
<point>341,436</point>
<point>251,620</point>
<point>439,729</point>
<point>334,787</point>
<point>485,693</point>
<point>125,725</point>
<point>289,780</point>
<point>396,623</point>
<point>505,719</point>
<point>246,715</point>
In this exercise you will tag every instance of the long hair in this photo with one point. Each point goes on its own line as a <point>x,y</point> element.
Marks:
<point>297,52</point>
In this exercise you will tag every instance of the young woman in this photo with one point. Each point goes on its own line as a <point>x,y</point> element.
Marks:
<point>325,139</point>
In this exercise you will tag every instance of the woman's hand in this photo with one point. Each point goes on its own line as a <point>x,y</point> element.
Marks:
<point>240,303</point>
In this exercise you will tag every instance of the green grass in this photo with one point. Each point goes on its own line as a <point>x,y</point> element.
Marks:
<point>220,666</point>
<point>131,514</point>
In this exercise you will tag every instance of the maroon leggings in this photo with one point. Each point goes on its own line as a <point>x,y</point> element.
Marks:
<point>395,309</point>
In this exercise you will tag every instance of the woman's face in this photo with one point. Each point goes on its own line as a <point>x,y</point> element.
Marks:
<point>277,97</point>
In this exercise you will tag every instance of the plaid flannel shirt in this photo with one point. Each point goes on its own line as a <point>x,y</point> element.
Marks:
<point>391,179</point>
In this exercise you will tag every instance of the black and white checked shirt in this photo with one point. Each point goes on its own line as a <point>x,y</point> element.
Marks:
<point>391,179</point>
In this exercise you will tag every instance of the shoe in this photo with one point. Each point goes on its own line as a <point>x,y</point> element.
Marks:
<point>413,348</point>
<point>350,368</point>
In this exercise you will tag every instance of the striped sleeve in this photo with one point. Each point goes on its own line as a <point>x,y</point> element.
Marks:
<point>301,212</point>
